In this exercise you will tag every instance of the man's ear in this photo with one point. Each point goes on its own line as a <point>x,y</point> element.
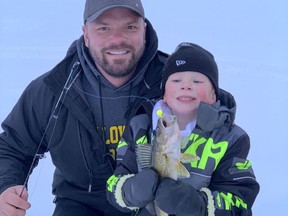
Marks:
<point>85,34</point>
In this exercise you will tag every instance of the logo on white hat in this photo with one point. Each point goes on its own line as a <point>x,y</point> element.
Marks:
<point>180,62</point>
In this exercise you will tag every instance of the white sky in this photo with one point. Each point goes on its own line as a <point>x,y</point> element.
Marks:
<point>249,40</point>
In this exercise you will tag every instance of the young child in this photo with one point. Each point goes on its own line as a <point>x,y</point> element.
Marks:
<point>222,181</point>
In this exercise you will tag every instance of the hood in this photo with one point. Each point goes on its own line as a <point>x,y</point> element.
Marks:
<point>214,116</point>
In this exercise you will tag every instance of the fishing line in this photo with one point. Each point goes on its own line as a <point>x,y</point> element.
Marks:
<point>112,98</point>
<point>75,72</point>
<point>36,179</point>
<point>56,111</point>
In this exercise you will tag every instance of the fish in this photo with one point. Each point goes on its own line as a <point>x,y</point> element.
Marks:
<point>164,154</point>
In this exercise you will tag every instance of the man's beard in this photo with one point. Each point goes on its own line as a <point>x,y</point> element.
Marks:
<point>117,68</point>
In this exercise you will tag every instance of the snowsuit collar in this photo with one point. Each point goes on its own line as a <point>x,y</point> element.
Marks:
<point>214,116</point>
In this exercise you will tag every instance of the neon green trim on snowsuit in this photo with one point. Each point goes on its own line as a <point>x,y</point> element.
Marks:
<point>142,140</point>
<point>230,200</point>
<point>211,150</point>
<point>111,182</point>
<point>121,144</point>
<point>243,166</point>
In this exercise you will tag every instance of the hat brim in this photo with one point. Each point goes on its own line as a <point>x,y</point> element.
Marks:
<point>98,13</point>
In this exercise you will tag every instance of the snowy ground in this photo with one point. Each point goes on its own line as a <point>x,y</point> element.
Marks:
<point>248,38</point>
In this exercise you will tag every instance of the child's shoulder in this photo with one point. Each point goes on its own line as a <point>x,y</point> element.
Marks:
<point>237,133</point>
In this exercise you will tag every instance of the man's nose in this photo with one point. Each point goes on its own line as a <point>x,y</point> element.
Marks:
<point>117,35</point>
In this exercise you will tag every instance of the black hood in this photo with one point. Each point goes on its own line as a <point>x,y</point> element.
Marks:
<point>87,62</point>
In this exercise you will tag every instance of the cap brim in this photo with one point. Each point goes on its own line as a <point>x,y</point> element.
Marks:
<point>98,13</point>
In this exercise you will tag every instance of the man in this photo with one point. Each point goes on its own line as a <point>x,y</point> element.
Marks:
<point>79,109</point>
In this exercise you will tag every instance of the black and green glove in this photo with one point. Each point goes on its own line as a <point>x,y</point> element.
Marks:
<point>179,198</point>
<point>140,189</point>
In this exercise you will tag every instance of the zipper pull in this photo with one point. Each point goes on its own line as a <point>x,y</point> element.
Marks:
<point>90,183</point>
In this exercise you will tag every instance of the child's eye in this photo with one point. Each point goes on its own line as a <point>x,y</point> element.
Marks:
<point>197,81</point>
<point>176,80</point>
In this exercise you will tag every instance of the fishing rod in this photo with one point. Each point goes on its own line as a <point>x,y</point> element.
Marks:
<point>74,73</point>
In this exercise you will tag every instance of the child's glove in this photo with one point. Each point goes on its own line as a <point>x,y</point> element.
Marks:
<point>140,189</point>
<point>179,198</point>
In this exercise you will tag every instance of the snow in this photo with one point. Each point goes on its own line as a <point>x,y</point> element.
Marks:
<point>249,40</point>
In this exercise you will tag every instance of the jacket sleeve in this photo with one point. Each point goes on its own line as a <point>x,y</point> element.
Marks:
<point>22,132</point>
<point>233,187</point>
<point>126,161</point>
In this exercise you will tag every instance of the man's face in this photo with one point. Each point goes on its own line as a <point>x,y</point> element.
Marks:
<point>116,41</point>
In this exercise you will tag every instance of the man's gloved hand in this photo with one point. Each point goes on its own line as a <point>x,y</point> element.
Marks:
<point>140,189</point>
<point>179,198</point>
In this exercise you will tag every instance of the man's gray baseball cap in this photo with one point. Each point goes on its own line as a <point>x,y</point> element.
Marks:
<point>93,8</point>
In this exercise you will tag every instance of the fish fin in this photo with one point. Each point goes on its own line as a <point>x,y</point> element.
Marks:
<point>188,158</point>
<point>184,141</point>
<point>143,155</point>
<point>182,172</point>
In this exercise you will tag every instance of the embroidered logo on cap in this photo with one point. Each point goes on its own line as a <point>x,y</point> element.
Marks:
<point>180,62</point>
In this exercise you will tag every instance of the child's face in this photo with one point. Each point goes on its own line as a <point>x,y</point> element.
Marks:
<point>185,90</point>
